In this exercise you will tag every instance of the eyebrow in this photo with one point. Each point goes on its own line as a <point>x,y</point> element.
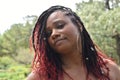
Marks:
<point>55,22</point>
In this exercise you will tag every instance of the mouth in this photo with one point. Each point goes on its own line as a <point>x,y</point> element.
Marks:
<point>59,41</point>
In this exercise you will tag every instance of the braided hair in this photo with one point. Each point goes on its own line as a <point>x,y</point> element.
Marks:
<point>48,63</point>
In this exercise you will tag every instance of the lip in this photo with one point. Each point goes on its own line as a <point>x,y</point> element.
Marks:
<point>57,41</point>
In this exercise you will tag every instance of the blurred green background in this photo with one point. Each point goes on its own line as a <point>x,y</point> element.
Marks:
<point>101,19</point>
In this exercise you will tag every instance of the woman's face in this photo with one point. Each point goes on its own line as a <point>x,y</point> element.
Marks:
<point>61,32</point>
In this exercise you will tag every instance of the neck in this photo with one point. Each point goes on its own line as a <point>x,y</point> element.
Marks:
<point>72,60</point>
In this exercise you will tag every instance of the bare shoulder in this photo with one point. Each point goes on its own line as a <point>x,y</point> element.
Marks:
<point>114,69</point>
<point>33,76</point>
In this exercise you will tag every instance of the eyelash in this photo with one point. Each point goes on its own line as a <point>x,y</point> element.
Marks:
<point>59,26</point>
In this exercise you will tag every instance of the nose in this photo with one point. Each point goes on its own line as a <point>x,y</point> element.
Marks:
<point>55,34</point>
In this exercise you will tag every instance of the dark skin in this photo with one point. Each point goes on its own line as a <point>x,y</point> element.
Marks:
<point>63,38</point>
<point>63,34</point>
<point>66,33</point>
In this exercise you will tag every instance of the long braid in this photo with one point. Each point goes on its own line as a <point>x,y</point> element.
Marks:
<point>90,55</point>
<point>92,59</point>
<point>43,66</point>
<point>47,62</point>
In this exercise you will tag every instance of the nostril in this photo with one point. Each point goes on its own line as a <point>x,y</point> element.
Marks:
<point>54,36</point>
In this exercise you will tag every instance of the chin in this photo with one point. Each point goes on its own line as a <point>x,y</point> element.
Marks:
<point>62,49</point>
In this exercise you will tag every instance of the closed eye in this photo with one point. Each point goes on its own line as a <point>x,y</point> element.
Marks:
<point>60,25</point>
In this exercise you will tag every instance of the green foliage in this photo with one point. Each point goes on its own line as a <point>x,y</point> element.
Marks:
<point>15,55</point>
<point>15,72</point>
<point>15,52</point>
<point>5,62</point>
<point>24,56</point>
<point>15,41</point>
<point>101,24</point>
<point>11,70</point>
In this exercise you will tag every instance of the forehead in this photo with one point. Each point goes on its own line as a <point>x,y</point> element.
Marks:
<point>55,16</point>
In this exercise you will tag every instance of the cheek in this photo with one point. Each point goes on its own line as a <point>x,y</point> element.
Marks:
<point>72,32</point>
<point>73,35</point>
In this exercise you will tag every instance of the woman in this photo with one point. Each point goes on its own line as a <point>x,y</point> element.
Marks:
<point>65,51</point>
